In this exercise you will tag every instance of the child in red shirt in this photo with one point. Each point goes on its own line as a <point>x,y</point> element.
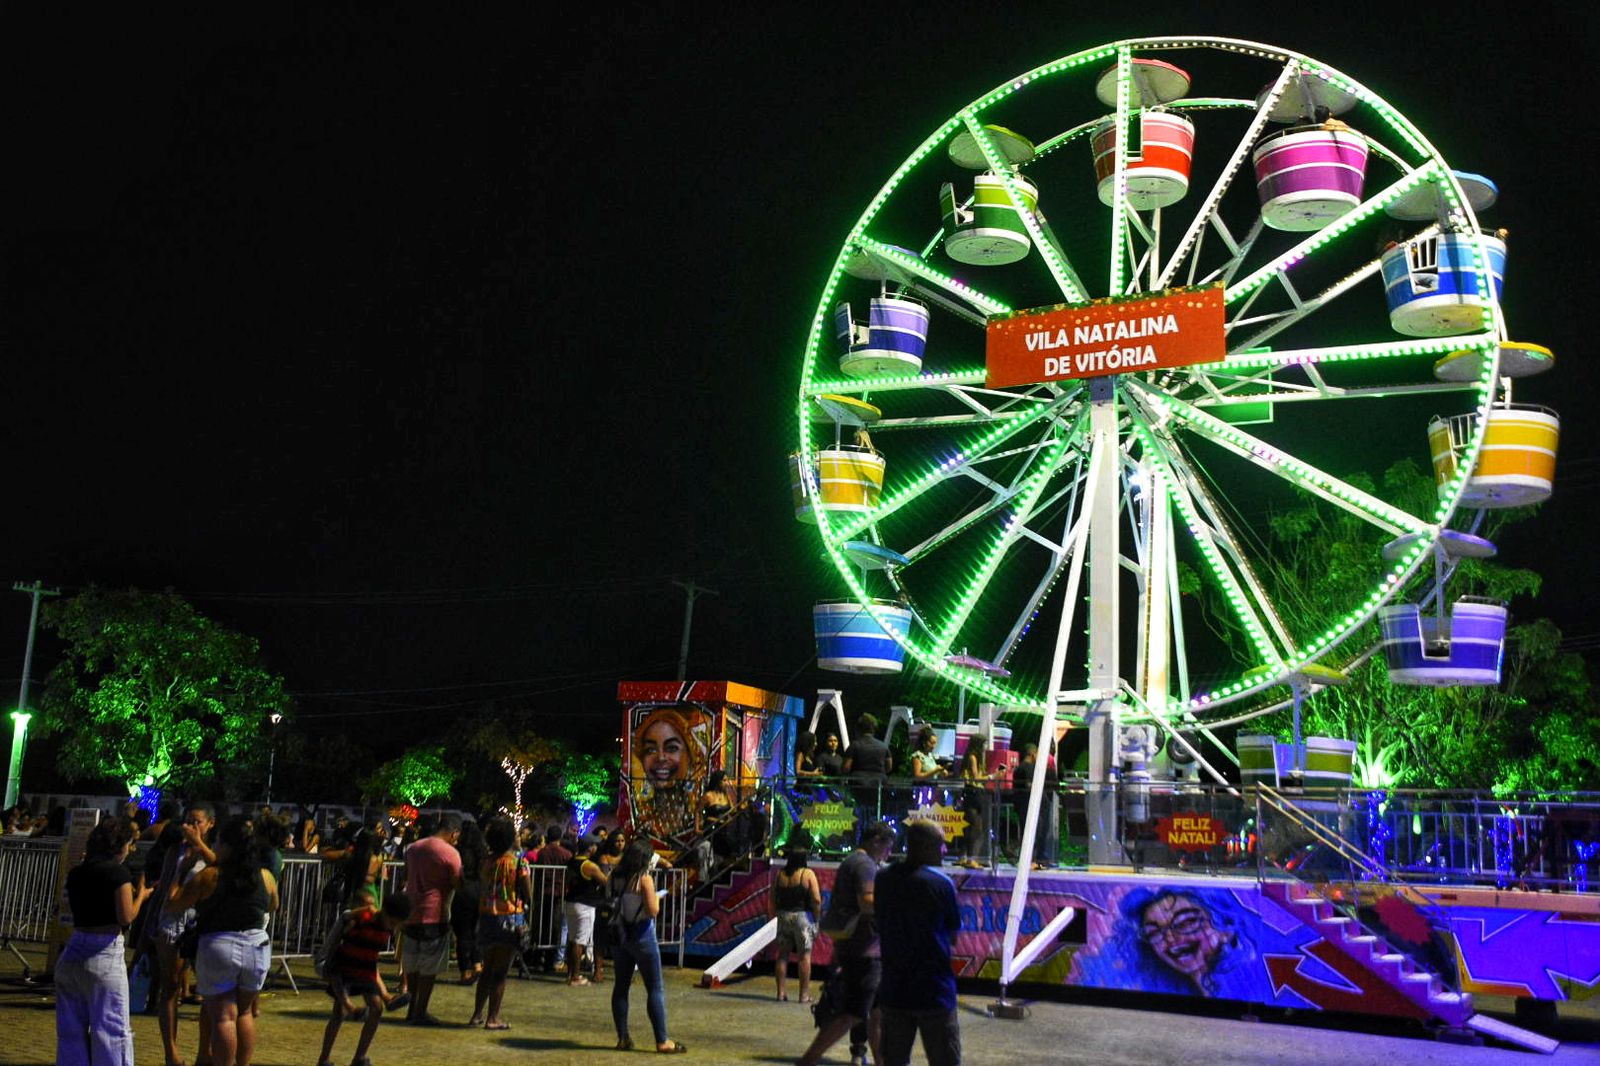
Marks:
<point>353,969</point>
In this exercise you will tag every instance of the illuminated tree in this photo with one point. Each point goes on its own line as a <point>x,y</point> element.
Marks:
<point>1530,733</point>
<point>418,776</point>
<point>151,692</point>
<point>588,782</point>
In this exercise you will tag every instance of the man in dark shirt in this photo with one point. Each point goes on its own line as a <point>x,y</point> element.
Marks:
<point>551,913</point>
<point>917,919</point>
<point>848,1001</point>
<point>868,757</point>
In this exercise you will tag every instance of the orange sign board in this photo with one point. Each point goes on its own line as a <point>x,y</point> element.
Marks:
<point>1191,832</point>
<point>1176,327</point>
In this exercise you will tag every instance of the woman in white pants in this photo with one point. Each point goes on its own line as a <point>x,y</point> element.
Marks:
<point>91,977</point>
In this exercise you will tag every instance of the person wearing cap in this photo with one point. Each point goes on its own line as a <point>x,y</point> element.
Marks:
<point>586,887</point>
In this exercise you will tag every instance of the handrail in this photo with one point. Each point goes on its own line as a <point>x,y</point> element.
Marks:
<point>1369,866</point>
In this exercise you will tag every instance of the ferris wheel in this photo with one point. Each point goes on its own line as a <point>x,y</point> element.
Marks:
<point>1102,325</point>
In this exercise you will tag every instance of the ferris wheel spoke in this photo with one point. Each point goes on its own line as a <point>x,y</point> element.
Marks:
<point>1283,320</point>
<point>1010,532</point>
<point>1212,204</point>
<point>1287,466</point>
<point>1119,181</point>
<point>1217,549</point>
<point>1061,556</point>
<point>928,275</point>
<point>936,473</point>
<point>1055,258</point>
<point>1280,266</point>
<point>1348,353</point>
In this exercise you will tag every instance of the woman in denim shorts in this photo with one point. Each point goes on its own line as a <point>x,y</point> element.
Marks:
<point>233,899</point>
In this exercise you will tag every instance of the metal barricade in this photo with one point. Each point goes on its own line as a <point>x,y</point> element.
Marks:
<point>28,869</point>
<point>546,930</point>
<point>672,921</point>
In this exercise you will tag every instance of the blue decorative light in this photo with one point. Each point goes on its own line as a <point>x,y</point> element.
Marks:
<point>148,799</point>
<point>584,817</point>
<point>1580,870</point>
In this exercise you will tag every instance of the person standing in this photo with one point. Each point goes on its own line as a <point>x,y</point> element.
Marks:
<point>165,929</point>
<point>637,906</point>
<point>794,902</point>
<point>585,888</point>
<point>552,913</point>
<point>91,978</point>
<point>975,800</point>
<point>505,889</point>
<point>917,919</point>
<point>433,873</point>
<point>1047,831</point>
<point>830,760</point>
<point>848,1001</point>
<point>235,953</point>
<point>464,904</point>
<point>869,763</point>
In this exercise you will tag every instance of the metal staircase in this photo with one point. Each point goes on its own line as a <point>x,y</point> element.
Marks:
<point>1387,975</point>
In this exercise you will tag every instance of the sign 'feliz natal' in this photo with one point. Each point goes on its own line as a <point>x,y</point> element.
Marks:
<point>1175,327</point>
<point>1190,832</point>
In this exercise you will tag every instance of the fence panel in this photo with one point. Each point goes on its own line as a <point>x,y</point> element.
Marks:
<point>28,869</point>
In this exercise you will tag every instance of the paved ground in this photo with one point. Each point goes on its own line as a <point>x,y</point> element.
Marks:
<point>741,1023</point>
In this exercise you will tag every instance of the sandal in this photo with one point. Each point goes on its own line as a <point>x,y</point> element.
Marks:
<point>498,1027</point>
<point>675,1049</point>
<point>473,1023</point>
<point>576,981</point>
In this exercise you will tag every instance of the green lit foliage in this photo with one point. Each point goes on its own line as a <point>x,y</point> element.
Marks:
<point>418,776</point>
<point>150,691</point>
<point>1531,733</point>
<point>589,781</point>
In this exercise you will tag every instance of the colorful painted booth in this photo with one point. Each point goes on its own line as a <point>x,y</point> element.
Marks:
<point>676,733</point>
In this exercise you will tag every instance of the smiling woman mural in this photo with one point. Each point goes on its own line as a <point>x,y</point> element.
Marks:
<point>1189,941</point>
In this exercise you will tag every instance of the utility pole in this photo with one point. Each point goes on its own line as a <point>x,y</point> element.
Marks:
<point>692,592</point>
<point>20,717</point>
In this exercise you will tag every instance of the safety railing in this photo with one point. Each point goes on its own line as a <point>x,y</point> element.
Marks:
<point>1314,848</point>
<point>28,870</point>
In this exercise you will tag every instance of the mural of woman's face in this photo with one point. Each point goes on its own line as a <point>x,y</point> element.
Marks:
<point>1179,931</point>
<point>663,753</point>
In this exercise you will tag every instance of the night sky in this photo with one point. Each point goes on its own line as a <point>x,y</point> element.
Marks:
<point>430,351</point>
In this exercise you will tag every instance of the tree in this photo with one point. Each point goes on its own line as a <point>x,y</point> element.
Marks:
<point>1530,733</point>
<point>520,752</point>
<point>418,776</point>
<point>153,693</point>
<point>588,782</point>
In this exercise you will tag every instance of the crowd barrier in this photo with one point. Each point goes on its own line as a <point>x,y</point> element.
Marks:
<point>29,866</point>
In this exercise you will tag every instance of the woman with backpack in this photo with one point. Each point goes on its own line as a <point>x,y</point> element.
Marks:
<point>636,905</point>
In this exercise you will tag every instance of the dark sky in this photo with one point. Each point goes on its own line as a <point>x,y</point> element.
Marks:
<point>431,351</point>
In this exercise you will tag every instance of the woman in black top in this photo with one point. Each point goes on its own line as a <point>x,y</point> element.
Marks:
<point>831,760</point>
<point>91,979</point>
<point>795,900</point>
<point>232,900</point>
<point>464,905</point>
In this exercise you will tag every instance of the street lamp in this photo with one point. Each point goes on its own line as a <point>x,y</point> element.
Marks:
<point>19,740</point>
<point>272,752</point>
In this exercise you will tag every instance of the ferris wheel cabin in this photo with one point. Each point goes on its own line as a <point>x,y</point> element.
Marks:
<point>1433,284</point>
<point>1517,463</point>
<point>1157,167</point>
<point>1463,647</point>
<point>852,641</point>
<point>891,342</point>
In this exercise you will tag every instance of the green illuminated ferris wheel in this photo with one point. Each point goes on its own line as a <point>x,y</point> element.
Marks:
<point>1099,327</point>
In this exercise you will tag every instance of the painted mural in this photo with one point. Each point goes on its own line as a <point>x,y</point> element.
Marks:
<point>1225,938</point>
<point>676,733</point>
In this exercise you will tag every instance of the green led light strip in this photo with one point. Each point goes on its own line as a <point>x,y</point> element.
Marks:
<point>1288,466</point>
<point>1065,276</point>
<point>937,473</point>
<point>987,304</point>
<point>898,383</point>
<point>1119,180</point>
<point>1351,353</point>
